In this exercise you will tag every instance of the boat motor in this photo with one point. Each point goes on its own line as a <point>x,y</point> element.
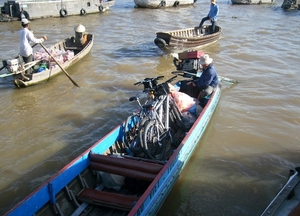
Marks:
<point>188,61</point>
<point>11,65</point>
<point>80,37</point>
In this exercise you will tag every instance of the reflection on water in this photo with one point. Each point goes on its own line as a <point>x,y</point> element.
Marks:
<point>249,146</point>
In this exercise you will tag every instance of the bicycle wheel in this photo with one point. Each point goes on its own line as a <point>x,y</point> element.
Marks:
<point>131,138</point>
<point>153,140</point>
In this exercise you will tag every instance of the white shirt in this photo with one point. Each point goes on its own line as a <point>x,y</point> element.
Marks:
<point>26,36</point>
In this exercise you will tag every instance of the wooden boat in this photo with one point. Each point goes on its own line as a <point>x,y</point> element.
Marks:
<point>90,184</point>
<point>291,5</point>
<point>187,39</point>
<point>162,3</point>
<point>287,200</point>
<point>15,10</point>
<point>66,47</point>
<point>252,2</point>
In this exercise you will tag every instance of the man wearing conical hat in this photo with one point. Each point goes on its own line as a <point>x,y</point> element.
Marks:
<point>212,15</point>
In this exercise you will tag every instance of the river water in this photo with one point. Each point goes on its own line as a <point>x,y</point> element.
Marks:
<point>249,146</point>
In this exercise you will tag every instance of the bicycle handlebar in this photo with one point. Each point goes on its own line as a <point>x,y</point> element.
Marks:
<point>148,79</point>
<point>171,79</point>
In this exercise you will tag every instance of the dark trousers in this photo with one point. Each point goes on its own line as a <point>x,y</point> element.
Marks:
<point>213,24</point>
<point>199,93</point>
<point>26,60</point>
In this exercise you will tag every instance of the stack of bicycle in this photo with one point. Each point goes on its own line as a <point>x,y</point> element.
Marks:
<point>158,120</point>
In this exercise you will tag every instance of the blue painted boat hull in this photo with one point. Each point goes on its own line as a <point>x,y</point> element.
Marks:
<point>153,197</point>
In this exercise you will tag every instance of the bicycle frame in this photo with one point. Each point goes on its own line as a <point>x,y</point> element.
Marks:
<point>154,119</point>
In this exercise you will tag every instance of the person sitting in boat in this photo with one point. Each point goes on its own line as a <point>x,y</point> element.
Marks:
<point>27,37</point>
<point>207,82</point>
<point>212,16</point>
<point>80,35</point>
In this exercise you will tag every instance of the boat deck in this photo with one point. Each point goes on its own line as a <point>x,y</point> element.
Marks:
<point>95,192</point>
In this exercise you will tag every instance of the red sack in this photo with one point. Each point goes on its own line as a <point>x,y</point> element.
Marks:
<point>183,101</point>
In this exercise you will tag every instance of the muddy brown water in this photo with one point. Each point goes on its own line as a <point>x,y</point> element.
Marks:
<point>249,146</point>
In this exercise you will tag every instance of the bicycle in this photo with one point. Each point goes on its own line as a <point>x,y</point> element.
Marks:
<point>156,131</point>
<point>138,118</point>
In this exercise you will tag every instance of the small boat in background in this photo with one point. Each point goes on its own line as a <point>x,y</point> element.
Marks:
<point>162,3</point>
<point>187,39</point>
<point>253,2</point>
<point>287,200</point>
<point>291,5</point>
<point>17,10</point>
<point>67,52</point>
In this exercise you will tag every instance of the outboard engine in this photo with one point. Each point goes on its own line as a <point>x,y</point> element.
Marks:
<point>11,65</point>
<point>188,61</point>
<point>190,65</point>
<point>80,37</point>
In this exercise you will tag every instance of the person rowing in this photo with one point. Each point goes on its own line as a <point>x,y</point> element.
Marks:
<point>27,37</point>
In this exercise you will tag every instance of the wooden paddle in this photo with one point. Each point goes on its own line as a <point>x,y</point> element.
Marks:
<point>60,66</point>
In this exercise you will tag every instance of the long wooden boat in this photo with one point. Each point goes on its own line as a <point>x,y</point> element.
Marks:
<point>187,39</point>
<point>287,200</point>
<point>15,10</point>
<point>66,50</point>
<point>252,2</point>
<point>88,184</point>
<point>162,3</point>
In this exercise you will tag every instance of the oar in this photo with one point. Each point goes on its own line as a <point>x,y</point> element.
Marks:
<point>228,79</point>
<point>220,77</point>
<point>18,56</point>
<point>60,66</point>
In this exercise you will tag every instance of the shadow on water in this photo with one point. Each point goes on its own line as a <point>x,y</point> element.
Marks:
<point>226,188</point>
<point>86,131</point>
<point>7,85</point>
<point>138,51</point>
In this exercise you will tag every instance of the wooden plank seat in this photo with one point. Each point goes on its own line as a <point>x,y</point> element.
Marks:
<point>102,198</point>
<point>121,166</point>
<point>123,171</point>
<point>74,48</point>
<point>125,167</point>
<point>127,163</point>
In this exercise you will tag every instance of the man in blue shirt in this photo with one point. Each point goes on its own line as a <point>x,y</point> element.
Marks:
<point>207,82</point>
<point>212,15</point>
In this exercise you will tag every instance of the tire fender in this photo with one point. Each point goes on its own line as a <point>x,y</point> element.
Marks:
<point>63,12</point>
<point>100,8</point>
<point>162,3</point>
<point>161,43</point>
<point>82,12</point>
<point>176,3</point>
<point>24,14</point>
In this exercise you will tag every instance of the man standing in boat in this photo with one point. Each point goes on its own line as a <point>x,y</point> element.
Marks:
<point>212,15</point>
<point>27,37</point>
<point>207,82</point>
